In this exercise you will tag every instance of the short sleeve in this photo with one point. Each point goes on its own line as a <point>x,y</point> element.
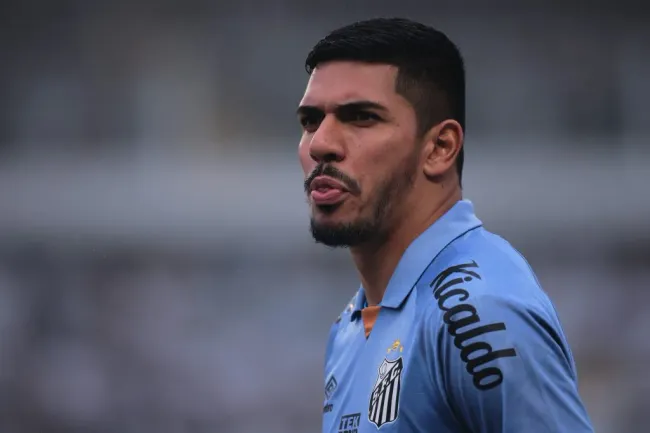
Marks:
<point>504,366</point>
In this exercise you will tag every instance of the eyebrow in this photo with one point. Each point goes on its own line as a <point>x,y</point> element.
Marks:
<point>348,106</point>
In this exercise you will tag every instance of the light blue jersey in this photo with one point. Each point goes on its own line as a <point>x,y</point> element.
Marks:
<point>465,341</point>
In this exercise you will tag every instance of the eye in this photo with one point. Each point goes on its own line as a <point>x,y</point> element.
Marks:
<point>362,118</point>
<point>365,116</point>
<point>310,123</point>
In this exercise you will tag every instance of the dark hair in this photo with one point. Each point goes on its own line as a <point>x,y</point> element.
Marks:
<point>431,73</point>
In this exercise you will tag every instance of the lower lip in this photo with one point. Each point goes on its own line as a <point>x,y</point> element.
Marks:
<point>327,197</point>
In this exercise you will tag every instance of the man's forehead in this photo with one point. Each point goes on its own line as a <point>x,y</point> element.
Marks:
<point>337,83</point>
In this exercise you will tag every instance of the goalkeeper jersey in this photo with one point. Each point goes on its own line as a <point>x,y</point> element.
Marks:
<point>464,340</point>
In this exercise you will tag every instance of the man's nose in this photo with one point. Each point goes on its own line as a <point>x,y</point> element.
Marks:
<point>327,142</point>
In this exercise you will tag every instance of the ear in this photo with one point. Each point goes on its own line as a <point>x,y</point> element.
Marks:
<point>441,147</point>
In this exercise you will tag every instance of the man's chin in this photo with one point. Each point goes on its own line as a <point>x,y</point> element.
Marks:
<point>326,209</point>
<point>337,233</point>
<point>332,220</point>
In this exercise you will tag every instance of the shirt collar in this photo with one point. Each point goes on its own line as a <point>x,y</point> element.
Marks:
<point>454,223</point>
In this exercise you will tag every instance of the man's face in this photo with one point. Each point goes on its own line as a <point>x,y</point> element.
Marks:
<point>358,151</point>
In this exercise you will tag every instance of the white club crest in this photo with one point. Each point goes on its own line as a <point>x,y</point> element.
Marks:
<point>384,400</point>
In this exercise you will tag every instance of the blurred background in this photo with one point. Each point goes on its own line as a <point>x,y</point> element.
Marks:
<point>156,268</point>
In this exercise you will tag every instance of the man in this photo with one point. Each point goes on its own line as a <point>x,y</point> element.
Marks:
<point>450,331</point>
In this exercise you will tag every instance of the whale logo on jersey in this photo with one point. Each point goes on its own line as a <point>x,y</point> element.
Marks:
<point>384,400</point>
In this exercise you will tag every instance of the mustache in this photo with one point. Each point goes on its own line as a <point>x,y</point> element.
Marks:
<point>333,172</point>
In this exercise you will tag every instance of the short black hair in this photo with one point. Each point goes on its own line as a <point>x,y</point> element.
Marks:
<point>431,71</point>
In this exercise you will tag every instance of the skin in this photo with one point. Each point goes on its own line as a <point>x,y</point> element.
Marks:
<point>400,181</point>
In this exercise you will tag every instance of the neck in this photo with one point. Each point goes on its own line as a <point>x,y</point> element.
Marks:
<point>376,262</point>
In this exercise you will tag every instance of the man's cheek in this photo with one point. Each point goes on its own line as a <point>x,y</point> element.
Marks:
<point>306,162</point>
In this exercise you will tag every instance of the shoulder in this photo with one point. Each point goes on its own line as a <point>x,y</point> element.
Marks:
<point>486,268</point>
<point>482,285</point>
<point>340,323</point>
<point>487,313</point>
<point>344,317</point>
<point>347,311</point>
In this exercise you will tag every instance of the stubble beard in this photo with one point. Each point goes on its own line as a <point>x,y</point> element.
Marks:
<point>370,229</point>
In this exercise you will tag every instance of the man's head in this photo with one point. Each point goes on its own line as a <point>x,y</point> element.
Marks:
<point>383,118</point>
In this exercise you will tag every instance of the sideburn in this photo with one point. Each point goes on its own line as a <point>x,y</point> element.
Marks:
<point>392,190</point>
